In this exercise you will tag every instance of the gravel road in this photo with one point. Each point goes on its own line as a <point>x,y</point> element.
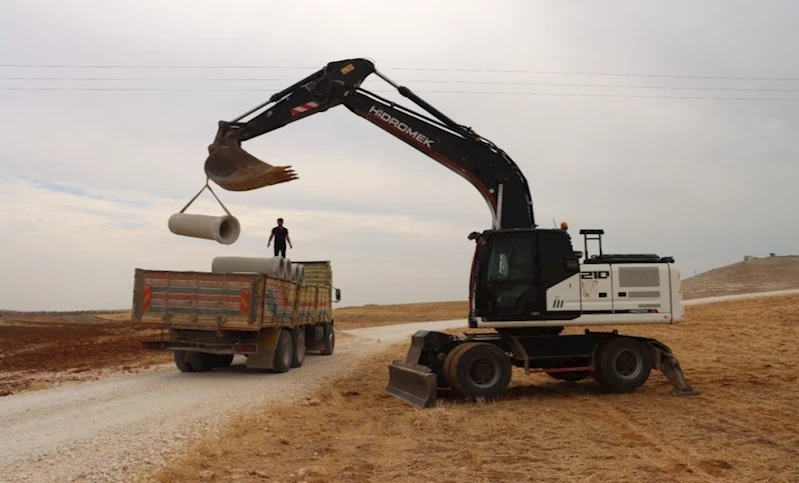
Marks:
<point>100,431</point>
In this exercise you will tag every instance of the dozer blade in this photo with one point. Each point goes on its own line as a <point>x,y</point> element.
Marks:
<point>234,169</point>
<point>412,383</point>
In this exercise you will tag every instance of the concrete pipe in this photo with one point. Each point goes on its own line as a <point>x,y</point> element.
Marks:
<point>288,274</point>
<point>273,267</point>
<point>223,229</point>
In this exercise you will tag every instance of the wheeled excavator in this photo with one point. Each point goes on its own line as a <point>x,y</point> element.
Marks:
<point>527,284</point>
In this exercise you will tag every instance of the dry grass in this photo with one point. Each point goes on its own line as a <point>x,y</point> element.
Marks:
<point>374,315</point>
<point>742,427</point>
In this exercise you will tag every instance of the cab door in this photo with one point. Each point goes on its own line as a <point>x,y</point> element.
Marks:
<point>506,284</point>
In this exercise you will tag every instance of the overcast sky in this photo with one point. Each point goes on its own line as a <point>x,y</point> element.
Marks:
<point>90,178</point>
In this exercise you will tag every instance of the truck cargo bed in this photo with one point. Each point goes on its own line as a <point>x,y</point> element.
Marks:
<point>226,301</point>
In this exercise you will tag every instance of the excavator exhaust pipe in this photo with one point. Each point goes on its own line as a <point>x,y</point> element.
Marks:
<point>234,169</point>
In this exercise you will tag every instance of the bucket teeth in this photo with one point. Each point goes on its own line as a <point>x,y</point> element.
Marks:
<point>234,169</point>
<point>412,383</point>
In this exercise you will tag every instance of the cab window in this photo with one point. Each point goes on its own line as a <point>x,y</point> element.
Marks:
<point>511,259</point>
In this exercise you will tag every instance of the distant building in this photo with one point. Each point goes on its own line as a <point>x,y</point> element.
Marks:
<point>748,257</point>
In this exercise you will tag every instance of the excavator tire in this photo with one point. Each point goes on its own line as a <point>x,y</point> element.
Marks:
<point>624,364</point>
<point>480,370</point>
<point>449,368</point>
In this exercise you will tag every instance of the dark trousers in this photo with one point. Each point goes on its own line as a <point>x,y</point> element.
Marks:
<point>280,249</point>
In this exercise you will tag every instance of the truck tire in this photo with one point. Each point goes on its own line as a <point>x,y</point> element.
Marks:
<point>284,352</point>
<point>329,339</point>
<point>624,364</point>
<point>181,362</point>
<point>481,370</point>
<point>298,344</point>
<point>200,361</point>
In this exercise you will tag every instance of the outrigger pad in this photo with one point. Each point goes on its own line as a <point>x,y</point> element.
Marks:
<point>234,169</point>
<point>413,383</point>
<point>670,367</point>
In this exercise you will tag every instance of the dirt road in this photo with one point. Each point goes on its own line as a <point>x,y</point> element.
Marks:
<point>98,430</point>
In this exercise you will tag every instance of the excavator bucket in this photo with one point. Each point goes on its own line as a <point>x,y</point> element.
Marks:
<point>234,169</point>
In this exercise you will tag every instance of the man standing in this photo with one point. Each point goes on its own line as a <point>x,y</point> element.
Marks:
<point>281,235</point>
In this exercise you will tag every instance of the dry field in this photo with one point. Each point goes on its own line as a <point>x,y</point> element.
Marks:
<point>742,427</point>
<point>43,351</point>
<point>37,352</point>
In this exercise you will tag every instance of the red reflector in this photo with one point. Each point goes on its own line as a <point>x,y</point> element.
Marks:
<point>245,349</point>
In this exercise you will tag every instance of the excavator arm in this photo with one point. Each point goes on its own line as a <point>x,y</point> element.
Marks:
<point>457,147</point>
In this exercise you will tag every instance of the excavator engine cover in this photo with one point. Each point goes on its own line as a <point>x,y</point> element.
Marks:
<point>234,169</point>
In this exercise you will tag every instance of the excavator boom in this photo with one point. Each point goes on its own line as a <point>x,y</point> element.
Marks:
<point>454,146</point>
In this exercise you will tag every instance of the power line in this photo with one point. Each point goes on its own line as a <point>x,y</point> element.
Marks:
<point>417,81</point>
<point>429,69</point>
<point>555,94</point>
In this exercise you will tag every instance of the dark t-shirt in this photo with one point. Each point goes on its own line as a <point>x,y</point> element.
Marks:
<point>280,235</point>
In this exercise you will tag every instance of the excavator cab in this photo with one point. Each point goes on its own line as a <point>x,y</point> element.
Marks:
<point>234,169</point>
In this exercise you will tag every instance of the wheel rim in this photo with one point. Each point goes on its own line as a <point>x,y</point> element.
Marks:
<point>628,364</point>
<point>484,372</point>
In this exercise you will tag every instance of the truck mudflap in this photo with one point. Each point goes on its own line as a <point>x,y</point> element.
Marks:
<point>411,380</point>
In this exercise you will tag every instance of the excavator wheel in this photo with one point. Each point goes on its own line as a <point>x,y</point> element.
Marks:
<point>480,370</point>
<point>623,364</point>
<point>450,370</point>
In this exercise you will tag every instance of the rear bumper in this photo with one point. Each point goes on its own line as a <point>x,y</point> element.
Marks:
<point>208,347</point>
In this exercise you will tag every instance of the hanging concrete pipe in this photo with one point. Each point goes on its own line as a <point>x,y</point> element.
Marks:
<point>224,229</point>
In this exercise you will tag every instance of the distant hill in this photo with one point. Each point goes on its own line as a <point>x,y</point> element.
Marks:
<point>753,275</point>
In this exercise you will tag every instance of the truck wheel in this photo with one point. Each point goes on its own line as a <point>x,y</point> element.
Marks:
<point>181,362</point>
<point>284,352</point>
<point>571,376</point>
<point>482,370</point>
<point>329,341</point>
<point>200,361</point>
<point>624,364</point>
<point>298,342</point>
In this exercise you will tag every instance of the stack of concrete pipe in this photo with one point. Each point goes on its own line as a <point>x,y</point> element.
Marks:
<point>274,267</point>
